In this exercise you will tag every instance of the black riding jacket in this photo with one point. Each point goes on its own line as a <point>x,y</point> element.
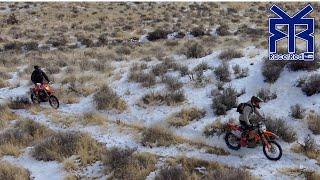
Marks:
<point>38,75</point>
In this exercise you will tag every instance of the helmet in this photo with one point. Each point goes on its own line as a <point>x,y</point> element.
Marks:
<point>36,67</point>
<point>255,101</point>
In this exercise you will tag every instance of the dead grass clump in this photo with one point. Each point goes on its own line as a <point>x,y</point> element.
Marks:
<point>20,102</point>
<point>185,116</point>
<point>230,54</point>
<point>302,173</point>
<point>171,173</point>
<point>222,72</point>
<point>107,99</point>
<point>311,85</point>
<point>3,83</point>
<point>297,111</point>
<point>225,101</point>
<point>6,114</point>
<point>158,136</point>
<point>201,169</point>
<point>128,164</point>
<point>172,83</point>
<point>24,133</point>
<point>93,118</point>
<point>65,144</point>
<point>281,128</point>
<point>58,40</point>
<point>11,172</point>
<point>313,120</point>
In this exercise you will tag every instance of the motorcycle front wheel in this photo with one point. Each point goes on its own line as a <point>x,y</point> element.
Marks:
<point>54,102</point>
<point>274,152</point>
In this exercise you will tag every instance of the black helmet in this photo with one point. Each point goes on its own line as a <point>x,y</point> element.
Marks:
<point>36,67</point>
<point>255,101</point>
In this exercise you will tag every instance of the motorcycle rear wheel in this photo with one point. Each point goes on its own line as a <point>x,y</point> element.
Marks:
<point>232,145</point>
<point>34,99</point>
<point>274,147</point>
<point>54,102</point>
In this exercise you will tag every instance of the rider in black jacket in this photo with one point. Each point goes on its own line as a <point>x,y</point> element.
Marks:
<point>38,75</point>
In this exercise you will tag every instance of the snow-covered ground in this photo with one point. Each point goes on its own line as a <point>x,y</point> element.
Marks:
<point>253,159</point>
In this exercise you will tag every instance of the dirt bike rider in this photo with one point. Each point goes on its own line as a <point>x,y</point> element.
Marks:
<point>38,76</point>
<point>246,111</point>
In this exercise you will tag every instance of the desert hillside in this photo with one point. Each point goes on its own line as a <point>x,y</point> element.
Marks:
<point>146,89</point>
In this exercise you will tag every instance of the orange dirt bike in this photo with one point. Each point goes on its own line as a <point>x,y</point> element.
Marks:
<point>44,93</point>
<point>271,149</point>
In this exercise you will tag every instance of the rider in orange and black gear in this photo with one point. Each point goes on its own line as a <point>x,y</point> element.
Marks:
<point>249,109</point>
<point>38,76</point>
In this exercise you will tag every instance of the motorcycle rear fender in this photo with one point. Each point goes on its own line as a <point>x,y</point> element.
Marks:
<point>271,134</point>
<point>237,133</point>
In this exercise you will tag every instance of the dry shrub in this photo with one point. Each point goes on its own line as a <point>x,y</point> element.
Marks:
<point>197,31</point>
<point>223,30</point>
<point>158,136</point>
<point>107,99</point>
<point>3,83</point>
<point>12,172</point>
<point>240,72</point>
<point>58,40</point>
<point>123,50</point>
<point>194,50</point>
<point>173,98</point>
<point>281,128</point>
<point>146,79</point>
<point>308,148</point>
<point>271,70</point>
<point>266,95</point>
<point>230,54</point>
<point>63,145</point>
<point>164,67</point>
<point>20,102</point>
<point>4,75</point>
<point>93,118</point>
<point>311,85</point>
<point>297,111</point>
<point>225,101</point>
<point>185,116</point>
<point>157,34</point>
<point>302,173</point>
<point>189,168</point>
<point>153,98</point>
<point>53,70</point>
<point>304,65</point>
<point>313,120</point>
<point>172,83</point>
<point>203,66</point>
<point>128,164</point>
<point>222,72</point>
<point>216,128</point>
